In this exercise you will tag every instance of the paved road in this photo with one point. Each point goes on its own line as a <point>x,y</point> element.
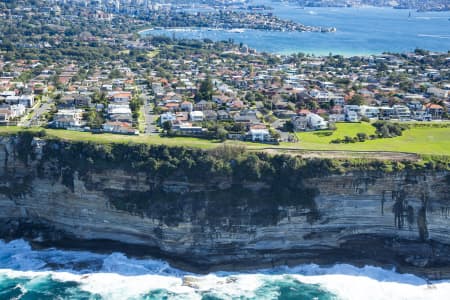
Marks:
<point>42,109</point>
<point>150,127</point>
<point>284,136</point>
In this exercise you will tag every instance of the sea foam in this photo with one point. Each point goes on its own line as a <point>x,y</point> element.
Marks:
<point>115,276</point>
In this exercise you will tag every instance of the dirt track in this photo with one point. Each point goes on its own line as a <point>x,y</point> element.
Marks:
<point>381,155</point>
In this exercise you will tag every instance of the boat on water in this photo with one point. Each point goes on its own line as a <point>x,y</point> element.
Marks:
<point>329,29</point>
<point>236,30</point>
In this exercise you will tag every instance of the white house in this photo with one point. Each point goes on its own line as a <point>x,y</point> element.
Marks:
<point>7,93</point>
<point>196,116</point>
<point>438,92</point>
<point>336,118</point>
<point>5,115</point>
<point>17,110</point>
<point>167,117</point>
<point>259,135</point>
<point>369,111</point>
<point>309,122</point>
<point>119,109</point>
<point>66,118</point>
<point>402,112</point>
<point>320,96</point>
<point>354,108</point>
<point>316,122</point>
<point>351,116</point>
<point>107,87</point>
<point>351,113</point>
<point>26,100</point>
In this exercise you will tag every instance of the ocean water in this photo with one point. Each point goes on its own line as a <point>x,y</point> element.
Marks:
<point>360,31</point>
<point>57,274</point>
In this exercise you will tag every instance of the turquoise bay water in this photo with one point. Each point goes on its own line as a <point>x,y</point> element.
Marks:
<point>365,30</point>
<point>56,274</point>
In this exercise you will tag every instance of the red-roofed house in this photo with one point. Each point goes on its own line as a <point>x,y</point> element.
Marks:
<point>303,112</point>
<point>435,110</point>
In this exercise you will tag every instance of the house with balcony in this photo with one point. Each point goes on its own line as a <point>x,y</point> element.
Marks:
<point>308,122</point>
<point>259,135</point>
<point>369,111</point>
<point>402,112</point>
<point>66,118</point>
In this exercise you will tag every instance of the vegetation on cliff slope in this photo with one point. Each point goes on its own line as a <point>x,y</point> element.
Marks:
<point>199,165</point>
<point>232,176</point>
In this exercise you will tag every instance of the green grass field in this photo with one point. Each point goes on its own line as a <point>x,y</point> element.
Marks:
<point>434,141</point>
<point>343,129</point>
<point>116,138</point>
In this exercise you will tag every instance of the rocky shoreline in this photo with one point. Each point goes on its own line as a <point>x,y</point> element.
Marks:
<point>360,251</point>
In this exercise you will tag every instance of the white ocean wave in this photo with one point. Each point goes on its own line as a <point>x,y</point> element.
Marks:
<point>437,36</point>
<point>116,276</point>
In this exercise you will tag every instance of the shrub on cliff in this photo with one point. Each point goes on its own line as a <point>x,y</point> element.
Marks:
<point>24,147</point>
<point>232,162</point>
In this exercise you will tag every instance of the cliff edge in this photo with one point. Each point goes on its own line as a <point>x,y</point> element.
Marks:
<point>225,208</point>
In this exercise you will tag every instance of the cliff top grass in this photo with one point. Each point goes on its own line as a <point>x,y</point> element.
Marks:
<point>114,138</point>
<point>417,140</point>
<point>84,155</point>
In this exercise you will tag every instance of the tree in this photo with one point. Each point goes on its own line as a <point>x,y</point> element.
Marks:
<point>221,133</point>
<point>356,100</point>
<point>288,126</point>
<point>205,91</point>
<point>167,126</point>
<point>94,119</point>
<point>362,136</point>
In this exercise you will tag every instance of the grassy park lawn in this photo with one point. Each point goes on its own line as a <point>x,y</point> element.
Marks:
<point>435,141</point>
<point>415,140</point>
<point>115,138</point>
<point>343,130</point>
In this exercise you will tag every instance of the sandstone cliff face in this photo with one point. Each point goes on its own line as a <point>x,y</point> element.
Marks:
<point>397,218</point>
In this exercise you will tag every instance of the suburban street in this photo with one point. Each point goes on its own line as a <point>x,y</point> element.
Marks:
<point>284,136</point>
<point>150,119</point>
<point>38,112</point>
